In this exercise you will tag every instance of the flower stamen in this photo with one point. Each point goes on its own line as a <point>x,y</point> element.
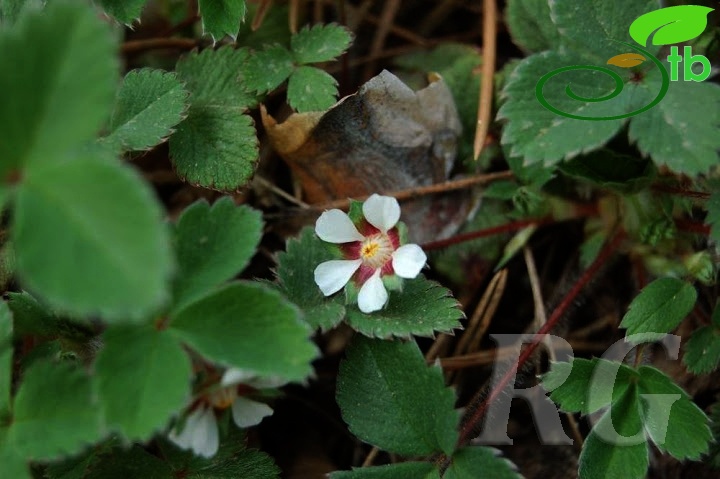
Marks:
<point>376,250</point>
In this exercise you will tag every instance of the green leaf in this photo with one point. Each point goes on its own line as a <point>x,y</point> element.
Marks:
<point>296,280</point>
<point>266,69</point>
<point>55,413</point>
<point>213,244</point>
<point>216,146</point>
<point>672,132</point>
<point>10,10</point>
<point>311,89</point>
<point>125,11</point>
<point>148,105</point>
<point>30,317</point>
<point>713,458</point>
<point>13,464</point>
<point>231,461</point>
<point>249,326</point>
<point>702,350</point>
<point>475,462</point>
<point>222,17</point>
<point>402,470</point>
<point>90,240</point>
<point>78,467</point>
<point>128,463</point>
<point>684,433</point>
<point>6,359</point>
<point>585,386</point>
<point>659,307</point>
<point>321,43</point>
<point>64,68</point>
<point>605,168</point>
<point>593,27</point>
<point>422,308</point>
<point>391,399</point>
<point>607,456</point>
<point>670,25</point>
<point>713,215</point>
<point>531,26</point>
<point>143,379</point>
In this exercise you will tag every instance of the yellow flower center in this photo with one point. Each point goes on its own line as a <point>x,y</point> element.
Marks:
<point>376,250</point>
<point>223,398</point>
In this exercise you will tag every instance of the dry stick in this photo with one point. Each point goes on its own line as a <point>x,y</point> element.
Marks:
<point>540,320</point>
<point>408,193</point>
<point>282,193</point>
<point>293,14</point>
<point>488,73</point>
<point>475,416</point>
<point>485,310</point>
<point>436,16</point>
<point>386,20</point>
<point>135,46</point>
<point>260,14</point>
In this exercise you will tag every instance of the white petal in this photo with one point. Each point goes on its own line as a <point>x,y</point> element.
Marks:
<point>383,212</point>
<point>200,433</point>
<point>332,275</point>
<point>335,226</point>
<point>267,382</point>
<point>248,413</point>
<point>372,295</point>
<point>408,260</point>
<point>237,376</point>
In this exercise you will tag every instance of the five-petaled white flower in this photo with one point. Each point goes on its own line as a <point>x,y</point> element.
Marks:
<point>371,248</point>
<point>200,432</point>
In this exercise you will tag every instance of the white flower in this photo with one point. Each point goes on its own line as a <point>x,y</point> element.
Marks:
<point>369,255</point>
<point>200,431</point>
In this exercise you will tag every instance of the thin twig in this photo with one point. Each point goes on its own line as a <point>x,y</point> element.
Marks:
<point>483,313</point>
<point>135,46</point>
<point>488,74</point>
<point>386,21</point>
<point>281,192</point>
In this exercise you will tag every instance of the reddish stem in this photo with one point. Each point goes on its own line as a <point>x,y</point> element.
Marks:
<point>681,192</point>
<point>476,416</point>
<point>690,226</point>
<point>461,238</point>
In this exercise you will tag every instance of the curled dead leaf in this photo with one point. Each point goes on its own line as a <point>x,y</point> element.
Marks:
<point>626,60</point>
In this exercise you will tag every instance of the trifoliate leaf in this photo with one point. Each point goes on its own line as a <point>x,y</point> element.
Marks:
<point>266,69</point>
<point>605,168</point>
<point>311,89</point>
<point>213,244</point>
<point>148,105</point>
<point>421,308</point>
<point>584,385</point>
<point>90,239</point>
<point>475,462</point>
<point>616,446</point>
<point>127,463</point>
<point>659,308</point>
<point>222,17</point>
<point>402,470</point>
<point>143,379</point>
<point>6,357</point>
<point>125,11</point>
<point>673,421</point>
<point>296,280</point>
<point>320,43</point>
<point>55,413</point>
<point>215,146</point>
<point>702,350</point>
<point>248,326</point>
<point>531,26</point>
<point>672,132</point>
<point>713,216</point>
<point>391,398</point>
<point>64,68</point>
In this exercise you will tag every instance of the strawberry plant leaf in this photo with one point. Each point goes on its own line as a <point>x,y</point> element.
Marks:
<point>296,280</point>
<point>713,215</point>
<point>248,326</point>
<point>311,89</point>
<point>616,446</point>
<point>119,269</point>
<point>320,43</point>
<point>55,412</point>
<point>402,470</point>
<point>474,462</point>
<point>391,398</point>
<point>422,308</point>
<point>125,11</point>
<point>147,107</point>
<point>266,69</point>
<point>13,464</point>
<point>222,17</point>
<point>685,432</point>
<point>213,244</point>
<point>142,386</point>
<point>605,168</point>
<point>6,358</point>
<point>702,350</point>
<point>531,26</point>
<point>126,463</point>
<point>216,145</point>
<point>64,69</point>
<point>659,308</point>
